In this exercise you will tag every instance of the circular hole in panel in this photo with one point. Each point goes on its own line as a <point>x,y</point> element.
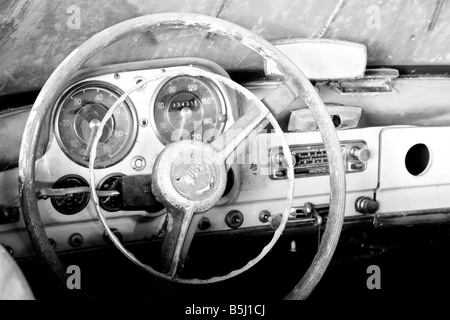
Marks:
<point>336,120</point>
<point>417,159</point>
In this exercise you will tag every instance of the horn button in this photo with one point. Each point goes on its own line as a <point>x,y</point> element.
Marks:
<point>188,173</point>
<point>195,180</point>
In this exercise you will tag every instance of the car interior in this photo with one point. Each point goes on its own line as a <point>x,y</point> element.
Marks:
<point>220,150</point>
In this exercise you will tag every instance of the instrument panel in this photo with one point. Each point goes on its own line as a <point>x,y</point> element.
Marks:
<point>261,186</point>
<point>191,104</point>
<point>177,108</point>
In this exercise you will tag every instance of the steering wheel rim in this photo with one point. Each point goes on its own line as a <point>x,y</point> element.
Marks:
<point>299,84</point>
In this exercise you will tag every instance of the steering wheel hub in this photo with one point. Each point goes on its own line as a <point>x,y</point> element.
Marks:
<point>188,173</point>
<point>192,180</point>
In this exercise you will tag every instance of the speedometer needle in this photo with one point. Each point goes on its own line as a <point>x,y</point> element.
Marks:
<point>186,113</point>
<point>94,124</point>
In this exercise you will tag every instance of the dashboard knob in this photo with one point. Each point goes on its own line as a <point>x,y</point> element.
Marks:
<point>75,240</point>
<point>281,159</point>
<point>275,221</point>
<point>361,154</point>
<point>366,205</point>
<point>264,216</point>
<point>234,219</point>
<point>204,224</point>
<point>115,232</point>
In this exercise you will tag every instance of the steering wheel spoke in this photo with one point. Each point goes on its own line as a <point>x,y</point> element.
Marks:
<point>279,99</point>
<point>252,123</point>
<point>244,127</point>
<point>180,229</point>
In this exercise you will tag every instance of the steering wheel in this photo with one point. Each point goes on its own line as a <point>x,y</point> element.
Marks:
<point>182,202</point>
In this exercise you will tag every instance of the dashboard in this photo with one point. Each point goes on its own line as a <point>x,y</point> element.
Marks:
<point>172,108</point>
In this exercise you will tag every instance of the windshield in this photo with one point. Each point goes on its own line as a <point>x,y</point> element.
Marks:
<point>35,36</point>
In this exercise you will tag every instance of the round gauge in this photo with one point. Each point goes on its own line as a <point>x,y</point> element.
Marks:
<point>188,107</point>
<point>78,117</point>
<point>74,203</point>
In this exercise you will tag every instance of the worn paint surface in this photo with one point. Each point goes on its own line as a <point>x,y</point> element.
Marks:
<point>36,35</point>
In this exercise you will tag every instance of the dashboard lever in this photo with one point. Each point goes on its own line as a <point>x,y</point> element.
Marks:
<point>132,193</point>
<point>312,212</point>
<point>44,194</point>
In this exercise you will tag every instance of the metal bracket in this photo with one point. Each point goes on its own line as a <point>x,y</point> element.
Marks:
<point>44,194</point>
<point>374,82</point>
<point>310,211</point>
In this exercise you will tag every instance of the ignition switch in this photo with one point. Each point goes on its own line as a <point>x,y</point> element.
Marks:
<point>234,219</point>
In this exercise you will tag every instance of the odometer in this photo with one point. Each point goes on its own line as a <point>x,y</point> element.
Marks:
<point>79,115</point>
<point>188,107</point>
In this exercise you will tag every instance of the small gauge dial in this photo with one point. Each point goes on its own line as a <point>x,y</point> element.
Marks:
<point>73,203</point>
<point>78,117</point>
<point>188,107</point>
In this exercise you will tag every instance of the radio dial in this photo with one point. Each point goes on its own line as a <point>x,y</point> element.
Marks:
<point>361,154</point>
<point>281,159</point>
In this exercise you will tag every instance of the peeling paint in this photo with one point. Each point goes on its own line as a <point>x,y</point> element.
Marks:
<point>169,222</point>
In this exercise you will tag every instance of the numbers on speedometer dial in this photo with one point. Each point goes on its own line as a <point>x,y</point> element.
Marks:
<point>78,117</point>
<point>188,108</point>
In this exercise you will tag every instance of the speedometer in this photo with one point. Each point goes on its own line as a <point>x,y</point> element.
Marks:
<point>79,115</point>
<point>188,107</point>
